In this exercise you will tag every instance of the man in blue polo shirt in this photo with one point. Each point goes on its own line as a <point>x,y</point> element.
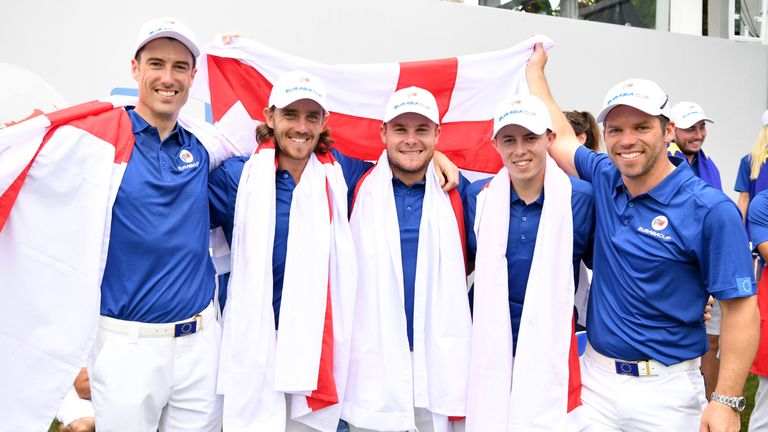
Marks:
<point>412,290</point>
<point>664,241</point>
<point>521,135</point>
<point>158,281</point>
<point>690,133</point>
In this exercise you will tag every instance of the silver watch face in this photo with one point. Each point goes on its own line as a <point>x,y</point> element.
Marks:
<point>741,403</point>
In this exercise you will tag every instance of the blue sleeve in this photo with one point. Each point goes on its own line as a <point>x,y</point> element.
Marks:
<point>222,191</point>
<point>758,218</point>
<point>583,208</point>
<point>463,186</point>
<point>742,176</point>
<point>726,261</point>
<point>352,168</point>
<point>470,207</point>
<point>588,163</point>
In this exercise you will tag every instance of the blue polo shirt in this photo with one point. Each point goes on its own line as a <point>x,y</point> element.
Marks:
<point>657,257</point>
<point>742,177</point>
<point>222,191</point>
<point>758,218</point>
<point>409,201</point>
<point>158,269</point>
<point>523,229</point>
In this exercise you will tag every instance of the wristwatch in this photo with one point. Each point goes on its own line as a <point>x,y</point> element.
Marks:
<point>736,402</point>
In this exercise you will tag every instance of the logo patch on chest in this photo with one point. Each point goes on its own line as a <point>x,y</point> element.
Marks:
<point>186,156</point>
<point>659,222</point>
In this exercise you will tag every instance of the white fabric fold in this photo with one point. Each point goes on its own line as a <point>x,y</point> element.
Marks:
<point>258,366</point>
<point>386,380</point>
<point>530,391</point>
<point>65,202</point>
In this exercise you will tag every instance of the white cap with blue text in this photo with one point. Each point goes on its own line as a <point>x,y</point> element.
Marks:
<point>687,114</point>
<point>297,85</point>
<point>166,28</point>
<point>412,100</point>
<point>527,111</point>
<point>641,94</point>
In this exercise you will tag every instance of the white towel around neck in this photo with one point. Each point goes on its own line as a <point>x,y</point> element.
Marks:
<point>385,383</point>
<point>257,366</point>
<point>530,391</point>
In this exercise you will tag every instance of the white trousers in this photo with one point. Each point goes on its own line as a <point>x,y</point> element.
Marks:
<point>149,383</point>
<point>758,422</point>
<point>713,325</point>
<point>668,402</point>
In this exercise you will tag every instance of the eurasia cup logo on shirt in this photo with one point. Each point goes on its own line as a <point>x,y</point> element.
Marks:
<point>189,160</point>
<point>659,223</point>
<point>186,156</point>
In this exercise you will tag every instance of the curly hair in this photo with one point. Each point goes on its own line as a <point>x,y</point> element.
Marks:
<point>266,133</point>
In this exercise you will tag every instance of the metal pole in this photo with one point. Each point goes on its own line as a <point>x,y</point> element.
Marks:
<point>569,9</point>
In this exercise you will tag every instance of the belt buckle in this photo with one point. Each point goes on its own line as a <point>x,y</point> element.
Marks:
<point>634,368</point>
<point>190,327</point>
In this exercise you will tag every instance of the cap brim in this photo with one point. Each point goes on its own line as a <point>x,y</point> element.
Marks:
<point>686,125</point>
<point>428,116</point>
<point>652,112</point>
<point>191,46</point>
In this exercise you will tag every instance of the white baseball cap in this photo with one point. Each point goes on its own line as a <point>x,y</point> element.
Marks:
<point>527,111</point>
<point>765,118</point>
<point>166,28</point>
<point>297,85</point>
<point>412,100</point>
<point>642,94</point>
<point>687,114</point>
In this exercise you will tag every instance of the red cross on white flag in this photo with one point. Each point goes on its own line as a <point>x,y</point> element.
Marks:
<point>237,78</point>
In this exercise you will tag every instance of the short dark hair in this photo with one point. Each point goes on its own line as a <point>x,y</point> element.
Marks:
<point>137,57</point>
<point>663,121</point>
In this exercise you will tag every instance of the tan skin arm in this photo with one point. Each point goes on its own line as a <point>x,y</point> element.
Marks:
<point>447,172</point>
<point>739,335</point>
<point>743,204</point>
<point>566,143</point>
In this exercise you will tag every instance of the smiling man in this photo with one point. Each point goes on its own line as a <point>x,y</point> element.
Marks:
<point>528,229</point>
<point>156,352</point>
<point>690,133</point>
<point>664,241</point>
<point>412,291</point>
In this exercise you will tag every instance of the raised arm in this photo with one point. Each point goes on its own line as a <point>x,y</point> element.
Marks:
<point>566,143</point>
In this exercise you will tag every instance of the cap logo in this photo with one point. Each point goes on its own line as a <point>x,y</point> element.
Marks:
<point>517,111</point>
<point>304,89</point>
<point>410,103</point>
<point>186,156</point>
<point>659,222</point>
<point>627,94</point>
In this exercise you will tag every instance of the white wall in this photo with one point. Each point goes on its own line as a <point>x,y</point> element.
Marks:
<point>83,48</point>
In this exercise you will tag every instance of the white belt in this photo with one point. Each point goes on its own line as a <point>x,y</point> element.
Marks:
<point>185,327</point>
<point>638,368</point>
